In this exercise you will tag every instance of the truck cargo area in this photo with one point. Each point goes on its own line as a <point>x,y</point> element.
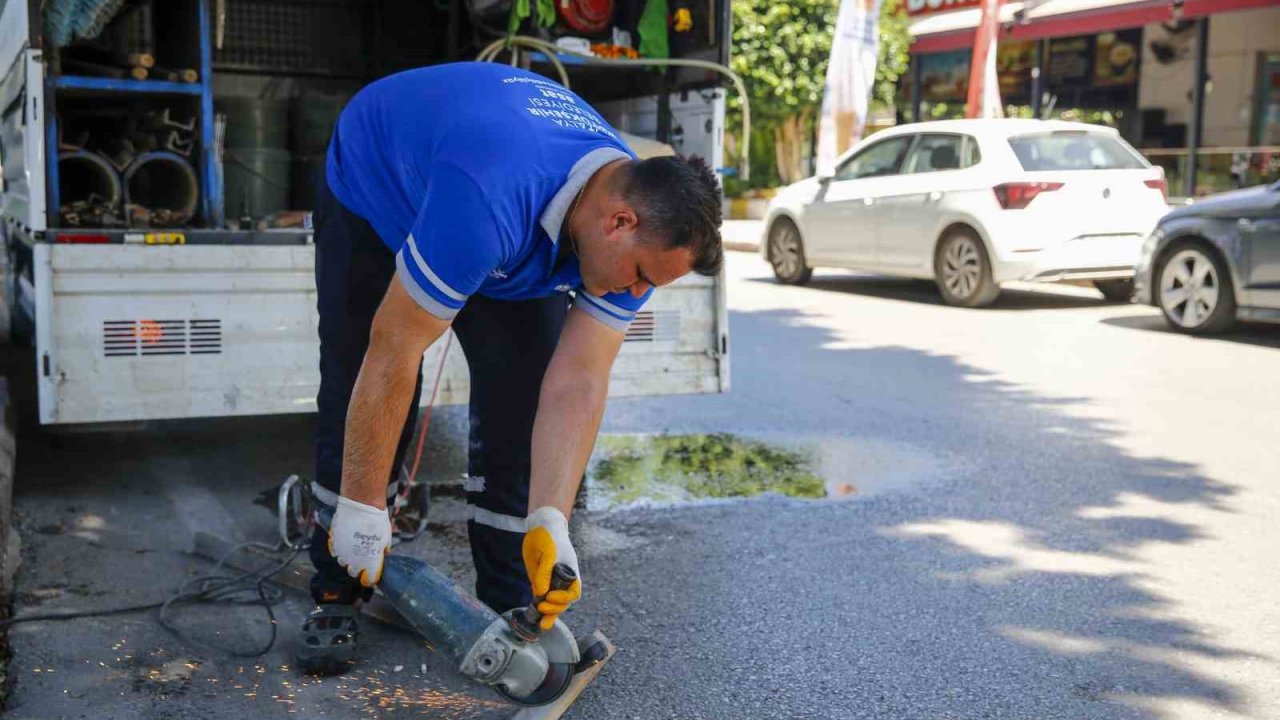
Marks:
<point>160,160</point>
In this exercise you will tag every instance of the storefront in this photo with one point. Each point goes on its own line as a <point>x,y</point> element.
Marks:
<point>1132,64</point>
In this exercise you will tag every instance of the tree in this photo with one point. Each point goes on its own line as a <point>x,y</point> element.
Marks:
<point>781,51</point>
<point>895,52</point>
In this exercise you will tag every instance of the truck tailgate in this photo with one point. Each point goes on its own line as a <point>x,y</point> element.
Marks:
<point>136,333</point>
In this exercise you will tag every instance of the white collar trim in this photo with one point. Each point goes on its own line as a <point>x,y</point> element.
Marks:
<point>553,217</point>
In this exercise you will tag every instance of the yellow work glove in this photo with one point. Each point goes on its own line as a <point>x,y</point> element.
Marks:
<point>359,537</point>
<point>546,542</point>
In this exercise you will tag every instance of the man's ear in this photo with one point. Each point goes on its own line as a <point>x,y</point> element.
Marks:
<point>625,218</point>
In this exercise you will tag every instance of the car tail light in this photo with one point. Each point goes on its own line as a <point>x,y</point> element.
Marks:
<point>1017,195</point>
<point>1159,184</point>
<point>84,238</point>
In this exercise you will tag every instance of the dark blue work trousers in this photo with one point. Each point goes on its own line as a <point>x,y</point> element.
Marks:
<point>507,344</point>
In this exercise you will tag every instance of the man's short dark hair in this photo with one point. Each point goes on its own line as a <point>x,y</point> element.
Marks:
<point>677,203</point>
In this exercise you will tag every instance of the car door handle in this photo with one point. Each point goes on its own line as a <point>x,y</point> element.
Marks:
<point>934,196</point>
<point>1246,224</point>
<point>868,201</point>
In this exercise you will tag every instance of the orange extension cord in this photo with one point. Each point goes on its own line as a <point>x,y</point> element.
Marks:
<point>425,420</point>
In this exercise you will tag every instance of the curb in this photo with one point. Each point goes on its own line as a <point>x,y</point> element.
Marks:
<point>742,208</point>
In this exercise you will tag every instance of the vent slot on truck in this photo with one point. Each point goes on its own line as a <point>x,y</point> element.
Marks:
<point>654,326</point>
<point>134,338</point>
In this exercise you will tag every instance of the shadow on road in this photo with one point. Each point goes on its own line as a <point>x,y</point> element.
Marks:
<point>926,291</point>
<point>107,516</point>
<point>1011,585</point>
<point>1259,334</point>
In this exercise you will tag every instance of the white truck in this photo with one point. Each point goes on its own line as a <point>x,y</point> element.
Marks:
<point>138,313</point>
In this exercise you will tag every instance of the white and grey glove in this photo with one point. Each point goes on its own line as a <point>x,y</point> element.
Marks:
<point>359,537</point>
<point>546,543</point>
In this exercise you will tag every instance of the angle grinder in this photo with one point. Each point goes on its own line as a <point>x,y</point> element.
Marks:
<point>510,652</point>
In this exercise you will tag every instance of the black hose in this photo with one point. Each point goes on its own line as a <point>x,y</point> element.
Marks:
<point>210,588</point>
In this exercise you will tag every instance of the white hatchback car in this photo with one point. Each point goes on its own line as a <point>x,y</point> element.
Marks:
<point>972,204</point>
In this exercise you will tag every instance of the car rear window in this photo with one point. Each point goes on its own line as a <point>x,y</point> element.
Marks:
<point>1074,150</point>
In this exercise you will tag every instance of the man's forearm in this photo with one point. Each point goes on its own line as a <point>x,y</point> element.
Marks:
<point>375,419</point>
<point>569,412</point>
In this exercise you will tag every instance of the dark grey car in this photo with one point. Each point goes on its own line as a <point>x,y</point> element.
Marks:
<point>1216,261</point>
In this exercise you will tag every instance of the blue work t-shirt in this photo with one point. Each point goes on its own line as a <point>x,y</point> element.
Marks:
<point>467,172</point>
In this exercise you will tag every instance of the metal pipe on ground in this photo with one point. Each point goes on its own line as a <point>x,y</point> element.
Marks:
<point>160,189</point>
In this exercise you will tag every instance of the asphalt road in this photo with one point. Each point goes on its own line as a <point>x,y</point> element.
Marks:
<point>1063,511</point>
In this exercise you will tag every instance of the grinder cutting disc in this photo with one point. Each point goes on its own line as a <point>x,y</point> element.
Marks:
<point>557,680</point>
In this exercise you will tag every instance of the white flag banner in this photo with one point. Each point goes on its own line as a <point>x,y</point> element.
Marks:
<point>851,75</point>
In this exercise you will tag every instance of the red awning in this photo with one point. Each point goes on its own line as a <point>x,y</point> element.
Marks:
<point>1056,18</point>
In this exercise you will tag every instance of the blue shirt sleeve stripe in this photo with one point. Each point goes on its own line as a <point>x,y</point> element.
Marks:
<point>440,285</point>
<point>608,319</point>
<point>607,307</point>
<point>454,243</point>
<point>616,309</point>
<point>423,291</point>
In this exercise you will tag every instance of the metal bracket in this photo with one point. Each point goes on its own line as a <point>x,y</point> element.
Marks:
<point>493,653</point>
<point>294,513</point>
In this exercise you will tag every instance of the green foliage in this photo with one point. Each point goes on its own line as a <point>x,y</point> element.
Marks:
<point>1111,117</point>
<point>895,52</point>
<point>943,110</point>
<point>719,465</point>
<point>781,50</point>
<point>520,10</point>
<point>764,168</point>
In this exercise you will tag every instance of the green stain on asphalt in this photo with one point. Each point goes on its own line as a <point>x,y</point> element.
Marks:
<point>676,468</point>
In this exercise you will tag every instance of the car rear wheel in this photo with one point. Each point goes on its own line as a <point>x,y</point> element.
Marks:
<point>786,254</point>
<point>963,271</point>
<point>1115,290</point>
<point>1194,290</point>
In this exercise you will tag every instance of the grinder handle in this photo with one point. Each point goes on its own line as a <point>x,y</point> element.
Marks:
<point>562,577</point>
<point>526,622</point>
